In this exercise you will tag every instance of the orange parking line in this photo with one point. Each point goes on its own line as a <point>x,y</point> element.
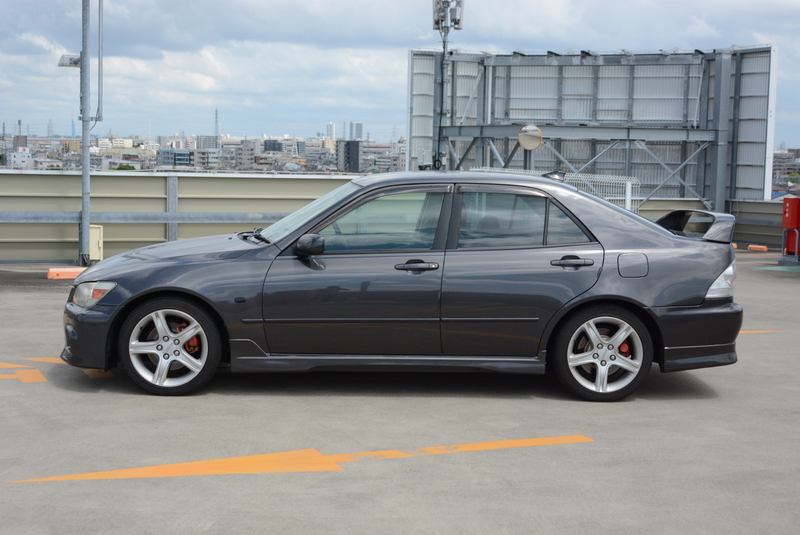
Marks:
<point>51,360</point>
<point>26,376</point>
<point>8,365</point>
<point>758,332</point>
<point>308,460</point>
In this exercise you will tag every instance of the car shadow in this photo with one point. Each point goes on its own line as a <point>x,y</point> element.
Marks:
<point>390,383</point>
<point>675,385</point>
<point>394,383</point>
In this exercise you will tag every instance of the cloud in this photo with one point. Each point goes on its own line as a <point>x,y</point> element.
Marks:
<point>700,28</point>
<point>272,66</point>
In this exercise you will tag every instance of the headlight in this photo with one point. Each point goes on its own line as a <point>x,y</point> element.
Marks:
<point>723,286</point>
<point>89,293</point>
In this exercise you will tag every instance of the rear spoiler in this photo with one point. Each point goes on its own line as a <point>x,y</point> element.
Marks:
<point>708,226</point>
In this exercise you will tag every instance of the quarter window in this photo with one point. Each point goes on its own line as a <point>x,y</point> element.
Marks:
<point>514,220</point>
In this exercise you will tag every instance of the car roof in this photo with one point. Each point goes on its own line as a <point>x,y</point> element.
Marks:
<point>470,177</point>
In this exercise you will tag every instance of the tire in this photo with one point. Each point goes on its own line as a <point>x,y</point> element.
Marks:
<point>169,346</point>
<point>602,353</point>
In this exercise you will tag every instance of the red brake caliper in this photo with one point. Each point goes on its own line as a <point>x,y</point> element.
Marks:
<point>193,344</point>
<point>625,349</point>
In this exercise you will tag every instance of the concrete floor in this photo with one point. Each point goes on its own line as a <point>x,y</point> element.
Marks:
<point>706,451</point>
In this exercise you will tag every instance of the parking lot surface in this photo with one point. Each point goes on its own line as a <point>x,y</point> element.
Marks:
<point>705,451</point>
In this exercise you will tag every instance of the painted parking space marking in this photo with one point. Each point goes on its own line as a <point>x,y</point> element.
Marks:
<point>758,332</point>
<point>307,460</point>
<point>26,376</point>
<point>9,365</point>
<point>90,372</point>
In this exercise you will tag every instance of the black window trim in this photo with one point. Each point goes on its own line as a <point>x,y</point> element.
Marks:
<point>439,239</point>
<point>455,216</point>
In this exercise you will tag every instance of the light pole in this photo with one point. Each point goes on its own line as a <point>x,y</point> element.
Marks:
<point>84,62</point>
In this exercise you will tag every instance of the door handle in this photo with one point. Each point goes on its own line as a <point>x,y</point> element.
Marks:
<point>417,265</point>
<point>572,261</point>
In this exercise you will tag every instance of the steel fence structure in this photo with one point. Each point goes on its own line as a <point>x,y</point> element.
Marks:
<point>687,124</point>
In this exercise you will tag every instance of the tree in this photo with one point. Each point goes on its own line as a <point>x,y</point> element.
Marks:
<point>122,167</point>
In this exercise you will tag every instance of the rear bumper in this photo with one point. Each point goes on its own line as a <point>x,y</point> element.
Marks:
<point>699,337</point>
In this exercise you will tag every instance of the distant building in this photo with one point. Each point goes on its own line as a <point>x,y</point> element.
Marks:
<point>206,142</point>
<point>274,145</point>
<point>20,158</point>
<point>122,143</point>
<point>348,156</point>
<point>330,131</point>
<point>72,146</point>
<point>204,158</point>
<point>356,131</point>
<point>173,157</point>
<point>245,154</point>
<point>20,142</point>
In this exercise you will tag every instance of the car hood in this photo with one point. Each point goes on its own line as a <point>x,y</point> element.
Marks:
<point>194,250</point>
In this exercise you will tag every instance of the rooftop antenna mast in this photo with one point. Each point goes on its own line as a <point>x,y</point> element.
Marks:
<point>446,15</point>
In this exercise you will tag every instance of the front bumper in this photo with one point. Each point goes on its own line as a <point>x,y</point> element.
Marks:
<point>87,336</point>
<point>699,337</point>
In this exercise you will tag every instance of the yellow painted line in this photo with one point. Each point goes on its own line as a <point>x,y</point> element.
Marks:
<point>9,365</point>
<point>26,376</point>
<point>308,460</point>
<point>51,360</point>
<point>758,332</point>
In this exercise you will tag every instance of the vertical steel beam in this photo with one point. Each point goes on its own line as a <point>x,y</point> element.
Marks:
<point>560,109</point>
<point>720,124</point>
<point>480,104</point>
<point>507,103</point>
<point>737,93</point>
<point>595,90</point>
<point>172,206</point>
<point>631,86</point>
<point>702,121</point>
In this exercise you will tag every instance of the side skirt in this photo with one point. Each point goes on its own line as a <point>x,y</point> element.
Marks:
<point>298,363</point>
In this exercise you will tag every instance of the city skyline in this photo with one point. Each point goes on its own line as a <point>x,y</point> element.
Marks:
<point>280,68</point>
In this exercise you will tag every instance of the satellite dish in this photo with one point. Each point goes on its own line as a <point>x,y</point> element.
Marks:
<point>529,137</point>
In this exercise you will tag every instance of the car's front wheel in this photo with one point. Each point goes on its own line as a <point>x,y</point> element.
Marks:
<point>169,346</point>
<point>602,353</point>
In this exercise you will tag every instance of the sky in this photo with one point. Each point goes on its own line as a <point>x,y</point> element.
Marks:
<point>291,66</point>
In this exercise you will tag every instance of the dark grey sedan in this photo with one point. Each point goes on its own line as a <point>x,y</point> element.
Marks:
<point>472,270</point>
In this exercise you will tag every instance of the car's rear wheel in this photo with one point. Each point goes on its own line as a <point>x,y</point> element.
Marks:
<point>169,346</point>
<point>602,353</point>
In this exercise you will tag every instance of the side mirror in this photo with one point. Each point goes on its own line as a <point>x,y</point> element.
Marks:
<point>309,245</point>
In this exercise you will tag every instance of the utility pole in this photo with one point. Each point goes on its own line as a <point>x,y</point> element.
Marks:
<point>446,14</point>
<point>84,62</point>
<point>83,254</point>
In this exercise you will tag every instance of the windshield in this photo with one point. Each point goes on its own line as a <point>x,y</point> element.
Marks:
<point>282,228</point>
